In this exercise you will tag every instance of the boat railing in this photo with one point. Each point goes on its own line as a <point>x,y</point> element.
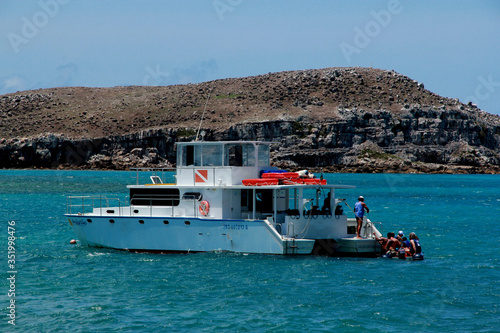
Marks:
<point>370,225</point>
<point>83,204</point>
<point>278,227</point>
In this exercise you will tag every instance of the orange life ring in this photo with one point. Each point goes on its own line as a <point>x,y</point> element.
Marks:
<point>204,208</point>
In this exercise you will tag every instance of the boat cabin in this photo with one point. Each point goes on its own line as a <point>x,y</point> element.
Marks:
<point>202,163</point>
<point>234,181</point>
<point>225,197</point>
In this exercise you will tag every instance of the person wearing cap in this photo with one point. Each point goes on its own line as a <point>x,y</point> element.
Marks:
<point>400,236</point>
<point>359,211</point>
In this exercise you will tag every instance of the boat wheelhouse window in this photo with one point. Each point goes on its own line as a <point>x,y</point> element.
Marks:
<point>192,196</point>
<point>234,156</point>
<point>263,155</point>
<point>240,155</point>
<point>212,155</point>
<point>198,155</point>
<point>154,197</point>
<point>191,155</point>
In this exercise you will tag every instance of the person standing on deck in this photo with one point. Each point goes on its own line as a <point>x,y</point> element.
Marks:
<point>359,211</point>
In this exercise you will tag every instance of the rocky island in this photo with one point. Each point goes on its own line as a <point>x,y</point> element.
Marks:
<point>335,119</point>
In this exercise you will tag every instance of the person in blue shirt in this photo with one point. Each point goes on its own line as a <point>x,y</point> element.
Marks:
<point>406,243</point>
<point>359,211</point>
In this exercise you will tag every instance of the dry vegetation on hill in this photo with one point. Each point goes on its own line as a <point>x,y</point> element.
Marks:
<point>316,94</point>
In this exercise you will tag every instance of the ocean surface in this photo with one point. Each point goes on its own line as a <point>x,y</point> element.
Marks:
<point>61,287</point>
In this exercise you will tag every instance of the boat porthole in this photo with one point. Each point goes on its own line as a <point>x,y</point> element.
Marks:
<point>89,220</point>
<point>141,221</point>
<point>111,221</point>
<point>110,211</point>
<point>187,222</point>
<point>136,211</point>
<point>165,222</point>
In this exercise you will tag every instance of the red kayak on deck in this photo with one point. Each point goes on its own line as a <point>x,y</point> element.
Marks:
<point>306,181</point>
<point>280,175</point>
<point>260,182</point>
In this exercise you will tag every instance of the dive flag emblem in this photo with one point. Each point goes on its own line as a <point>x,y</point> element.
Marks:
<point>200,176</point>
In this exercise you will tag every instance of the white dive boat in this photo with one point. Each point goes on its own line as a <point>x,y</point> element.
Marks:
<point>226,198</point>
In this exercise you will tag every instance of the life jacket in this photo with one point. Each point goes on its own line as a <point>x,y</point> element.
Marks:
<point>417,246</point>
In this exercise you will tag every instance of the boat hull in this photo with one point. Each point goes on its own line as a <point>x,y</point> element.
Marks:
<point>182,235</point>
<point>191,235</point>
<point>347,247</point>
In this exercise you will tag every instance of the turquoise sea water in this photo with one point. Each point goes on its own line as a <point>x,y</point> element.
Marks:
<point>62,287</point>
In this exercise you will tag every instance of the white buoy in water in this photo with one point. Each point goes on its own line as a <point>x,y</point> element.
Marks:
<point>73,241</point>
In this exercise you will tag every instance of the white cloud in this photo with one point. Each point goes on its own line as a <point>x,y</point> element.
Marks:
<point>12,84</point>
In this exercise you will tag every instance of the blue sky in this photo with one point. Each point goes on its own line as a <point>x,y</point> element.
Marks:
<point>451,46</point>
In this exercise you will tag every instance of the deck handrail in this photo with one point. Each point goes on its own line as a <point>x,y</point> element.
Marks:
<point>88,202</point>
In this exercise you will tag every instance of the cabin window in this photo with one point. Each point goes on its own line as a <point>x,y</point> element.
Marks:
<point>264,201</point>
<point>188,155</point>
<point>263,155</point>
<point>212,155</point>
<point>249,155</point>
<point>192,196</point>
<point>240,155</point>
<point>234,155</point>
<point>191,155</point>
<point>154,197</point>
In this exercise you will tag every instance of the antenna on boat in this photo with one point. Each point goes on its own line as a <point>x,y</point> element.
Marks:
<point>203,114</point>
